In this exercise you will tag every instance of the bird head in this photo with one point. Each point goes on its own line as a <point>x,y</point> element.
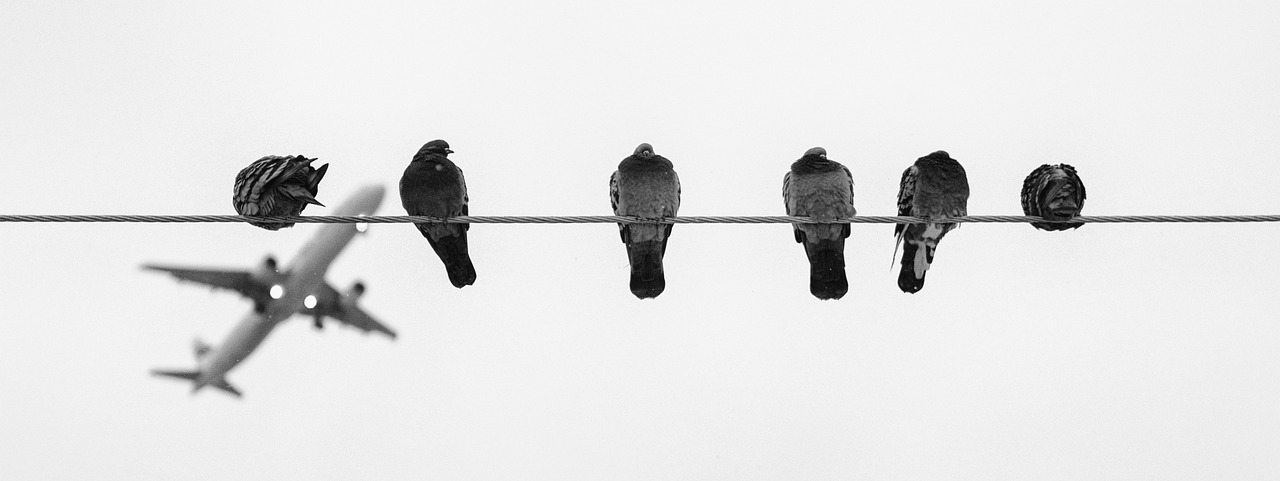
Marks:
<point>644,151</point>
<point>818,151</point>
<point>940,154</point>
<point>438,147</point>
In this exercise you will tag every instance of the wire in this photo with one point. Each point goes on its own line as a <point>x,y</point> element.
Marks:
<point>604,219</point>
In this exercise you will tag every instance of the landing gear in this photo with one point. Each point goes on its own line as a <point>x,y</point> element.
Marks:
<point>318,322</point>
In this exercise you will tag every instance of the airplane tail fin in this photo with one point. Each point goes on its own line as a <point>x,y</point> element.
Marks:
<point>194,376</point>
<point>199,348</point>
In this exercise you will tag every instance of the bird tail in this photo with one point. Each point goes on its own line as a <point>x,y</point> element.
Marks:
<point>300,193</point>
<point>896,244</point>
<point>916,257</point>
<point>647,280</point>
<point>827,278</point>
<point>452,250</point>
<point>313,181</point>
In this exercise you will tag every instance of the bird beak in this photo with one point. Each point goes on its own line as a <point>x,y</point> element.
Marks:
<point>448,151</point>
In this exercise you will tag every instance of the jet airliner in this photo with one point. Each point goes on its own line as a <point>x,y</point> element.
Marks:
<point>277,295</point>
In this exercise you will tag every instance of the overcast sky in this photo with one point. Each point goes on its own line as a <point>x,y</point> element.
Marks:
<point>1109,352</point>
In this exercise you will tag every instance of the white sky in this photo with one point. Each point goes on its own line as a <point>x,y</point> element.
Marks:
<point>1110,352</point>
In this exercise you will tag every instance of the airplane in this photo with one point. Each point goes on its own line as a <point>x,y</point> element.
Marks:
<point>278,295</point>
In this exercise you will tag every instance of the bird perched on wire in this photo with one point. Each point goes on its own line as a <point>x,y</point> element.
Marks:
<point>1053,192</point>
<point>821,188</point>
<point>433,185</point>
<point>277,186</point>
<point>646,186</point>
<point>936,188</point>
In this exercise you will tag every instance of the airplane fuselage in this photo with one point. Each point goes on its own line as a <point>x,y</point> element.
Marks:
<point>300,279</point>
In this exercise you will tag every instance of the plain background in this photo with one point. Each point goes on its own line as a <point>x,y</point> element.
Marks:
<point>1110,352</point>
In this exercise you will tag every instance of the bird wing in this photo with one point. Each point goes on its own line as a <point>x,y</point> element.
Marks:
<point>280,169</point>
<point>613,201</point>
<point>1071,173</point>
<point>788,200</point>
<point>251,181</point>
<point>906,199</point>
<point>255,191</point>
<point>852,209</point>
<point>1030,190</point>
<point>466,199</point>
<point>786,192</point>
<point>849,174</point>
<point>906,196</point>
<point>675,208</point>
<point>613,192</point>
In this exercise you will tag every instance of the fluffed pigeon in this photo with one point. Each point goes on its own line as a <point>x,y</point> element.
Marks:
<point>645,185</point>
<point>820,188</point>
<point>935,188</point>
<point>433,186</point>
<point>277,186</point>
<point>1053,192</point>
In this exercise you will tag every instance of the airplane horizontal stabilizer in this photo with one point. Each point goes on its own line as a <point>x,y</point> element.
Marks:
<point>226,386</point>
<point>188,375</point>
<point>193,376</point>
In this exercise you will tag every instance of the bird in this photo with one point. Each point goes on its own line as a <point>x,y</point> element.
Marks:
<point>820,188</point>
<point>1053,192</point>
<point>646,186</point>
<point>934,187</point>
<point>277,186</point>
<point>432,185</point>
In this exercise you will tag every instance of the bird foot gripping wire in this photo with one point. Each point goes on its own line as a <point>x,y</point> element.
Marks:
<point>648,220</point>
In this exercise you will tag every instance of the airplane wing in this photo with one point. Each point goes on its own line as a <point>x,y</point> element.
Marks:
<point>239,281</point>
<point>343,308</point>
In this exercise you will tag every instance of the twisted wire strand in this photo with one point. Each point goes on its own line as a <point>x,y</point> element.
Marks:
<point>608,219</point>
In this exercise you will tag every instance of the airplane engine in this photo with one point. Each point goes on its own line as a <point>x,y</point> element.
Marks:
<point>268,272</point>
<point>353,293</point>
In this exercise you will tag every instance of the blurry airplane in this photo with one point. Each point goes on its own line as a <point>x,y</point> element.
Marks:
<point>278,295</point>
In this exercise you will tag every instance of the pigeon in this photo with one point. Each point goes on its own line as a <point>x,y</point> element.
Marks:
<point>1053,192</point>
<point>277,186</point>
<point>433,186</point>
<point>821,189</point>
<point>934,188</point>
<point>646,186</point>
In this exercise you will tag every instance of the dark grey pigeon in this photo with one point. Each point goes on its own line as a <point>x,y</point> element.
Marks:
<point>645,185</point>
<point>1053,192</point>
<point>277,186</point>
<point>433,186</point>
<point>935,188</point>
<point>821,188</point>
